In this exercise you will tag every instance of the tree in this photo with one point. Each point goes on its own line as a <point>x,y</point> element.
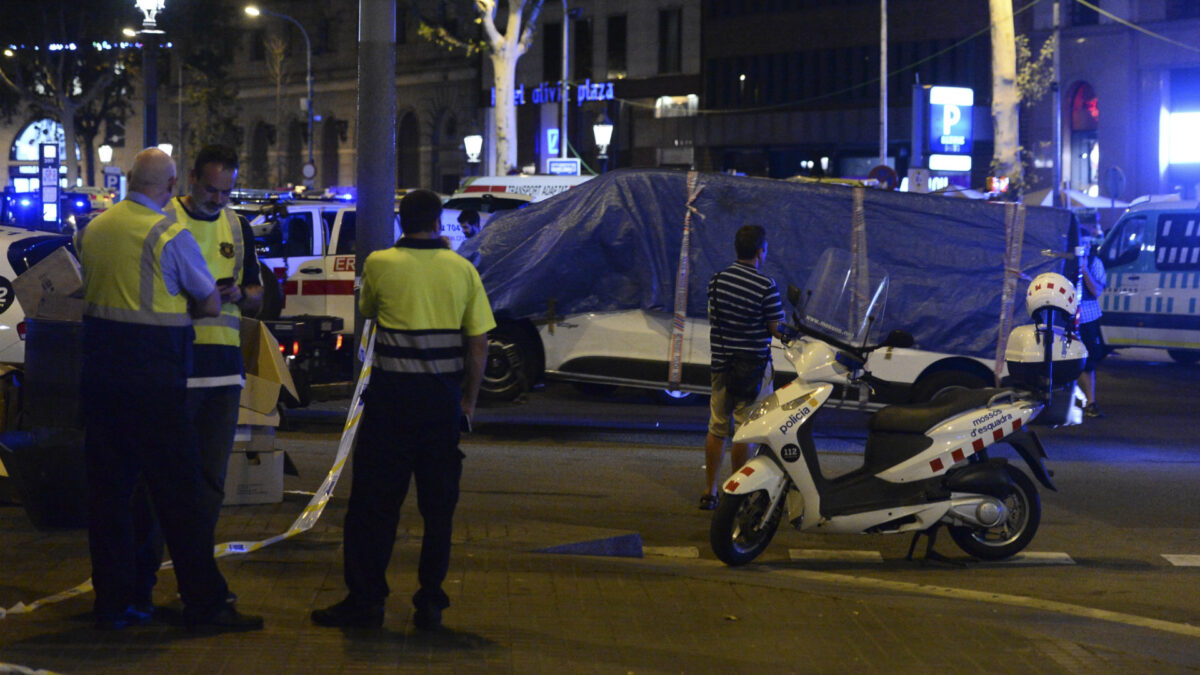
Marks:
<point>201,32</point>
<point>504,50</point>
<point>58,69</point>
<point>277,67</point>
<point>1006,98</point>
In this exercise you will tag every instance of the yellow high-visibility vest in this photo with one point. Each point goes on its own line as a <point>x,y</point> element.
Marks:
<point>121,254</point>
<point>223,248</point>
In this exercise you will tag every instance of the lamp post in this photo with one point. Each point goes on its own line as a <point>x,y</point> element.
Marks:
<point>150,10</point>
<point>251,10</point>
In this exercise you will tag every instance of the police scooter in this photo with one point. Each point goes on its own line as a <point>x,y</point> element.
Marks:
<point>925,465</point>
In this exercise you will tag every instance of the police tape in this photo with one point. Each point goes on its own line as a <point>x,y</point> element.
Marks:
<point>307,518</point>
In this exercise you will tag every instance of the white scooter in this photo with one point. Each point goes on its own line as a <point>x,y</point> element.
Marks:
<point>924,465</point>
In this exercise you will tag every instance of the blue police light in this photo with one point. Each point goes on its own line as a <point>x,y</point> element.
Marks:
<point>26,202</point>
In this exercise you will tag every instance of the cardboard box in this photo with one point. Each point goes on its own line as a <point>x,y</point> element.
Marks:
<point>249,438</point>
<point>246,416</point>
<point>44,290</point>
<point>254,478</point>
<point>266,371</point>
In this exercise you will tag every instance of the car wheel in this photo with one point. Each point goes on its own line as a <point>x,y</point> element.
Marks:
<point>504,375</point>
<point>1186,357</point>
<point>932,386</point>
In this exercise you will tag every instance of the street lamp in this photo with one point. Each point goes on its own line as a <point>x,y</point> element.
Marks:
<point>150,10</point>
<point>253,11</point>
<point>473,144</point>
<point>602,130</point>
<point>105,153</point>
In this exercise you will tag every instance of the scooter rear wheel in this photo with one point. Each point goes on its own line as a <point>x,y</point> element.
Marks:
<point>1012,535</point>
<point>735,533</point>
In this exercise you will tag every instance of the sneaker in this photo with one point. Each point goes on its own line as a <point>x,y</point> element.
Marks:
<point>225,619</point>
<point>709,502</point>
<point>428,618</point>
<point>1092,411</point>
<point>130,616</point>
<point>349,614</point>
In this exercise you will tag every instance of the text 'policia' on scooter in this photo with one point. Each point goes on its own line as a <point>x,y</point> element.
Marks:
<point>924,465</point>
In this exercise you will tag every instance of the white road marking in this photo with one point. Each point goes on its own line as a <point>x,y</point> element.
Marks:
<point>826,555</point>
<point>1182,560</point>
<point>671,551</point>
<point>1035,558</point>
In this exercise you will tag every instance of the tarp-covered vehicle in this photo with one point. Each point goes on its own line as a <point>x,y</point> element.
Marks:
<point>585,284</point>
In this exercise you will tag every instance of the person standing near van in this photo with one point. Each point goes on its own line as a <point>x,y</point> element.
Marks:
<point>744,313</point>
<point>1095,279</point>
<point>430,348</point>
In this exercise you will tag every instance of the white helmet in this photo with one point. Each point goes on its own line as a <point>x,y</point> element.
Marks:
<point>1051,291</point>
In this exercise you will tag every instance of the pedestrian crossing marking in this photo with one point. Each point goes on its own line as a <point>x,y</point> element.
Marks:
<point>826,555</point>
<point>1182,560</point>
<point>671,551</point>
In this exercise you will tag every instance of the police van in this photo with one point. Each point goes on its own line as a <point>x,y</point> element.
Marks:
<point>1152,259</point>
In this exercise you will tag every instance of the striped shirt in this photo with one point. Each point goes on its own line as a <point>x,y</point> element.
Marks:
<point>741,302</point>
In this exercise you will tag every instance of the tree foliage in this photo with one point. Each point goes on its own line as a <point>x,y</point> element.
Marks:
<point>58,68</point>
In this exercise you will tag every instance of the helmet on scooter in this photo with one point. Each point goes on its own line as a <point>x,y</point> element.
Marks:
<point>1051,291</point>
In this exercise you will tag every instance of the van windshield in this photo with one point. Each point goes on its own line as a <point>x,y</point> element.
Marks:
<point>1124,242</point>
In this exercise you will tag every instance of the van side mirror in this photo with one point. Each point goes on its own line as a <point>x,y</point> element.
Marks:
<point>793,294</point>
<point>898,338</point>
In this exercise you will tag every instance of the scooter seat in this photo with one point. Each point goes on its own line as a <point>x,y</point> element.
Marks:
<point>917,418</point>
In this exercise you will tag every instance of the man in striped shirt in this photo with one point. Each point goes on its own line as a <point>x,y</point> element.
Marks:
<point>743,313</point>
<point>430,346</point>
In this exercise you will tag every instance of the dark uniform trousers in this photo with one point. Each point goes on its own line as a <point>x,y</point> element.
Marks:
<point>138,443</point>
<point>409,429</point>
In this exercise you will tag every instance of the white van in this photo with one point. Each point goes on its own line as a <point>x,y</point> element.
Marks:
<point>1152,258</point>
<point>489,195</point>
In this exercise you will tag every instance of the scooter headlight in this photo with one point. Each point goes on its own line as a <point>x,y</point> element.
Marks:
<point>765,406</point>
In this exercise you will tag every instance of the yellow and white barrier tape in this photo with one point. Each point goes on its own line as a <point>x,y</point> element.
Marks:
<point>679,318</point>
<point>307,518</point>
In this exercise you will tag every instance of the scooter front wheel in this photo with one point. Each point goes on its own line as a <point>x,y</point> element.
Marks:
<point>1015,532</point>
<point>738,533</point>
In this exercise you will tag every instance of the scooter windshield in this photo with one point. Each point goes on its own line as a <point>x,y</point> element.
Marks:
<point>843,299</point>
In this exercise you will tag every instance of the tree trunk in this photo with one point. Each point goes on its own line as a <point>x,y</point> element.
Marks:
<point>505,72</point>
<point>69,143</point>
<point>1006,99</point>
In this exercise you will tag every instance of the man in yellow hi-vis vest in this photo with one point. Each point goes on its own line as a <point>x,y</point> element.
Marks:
<point>215,385</point>
<point>430,350</point>
<point>144,279</point>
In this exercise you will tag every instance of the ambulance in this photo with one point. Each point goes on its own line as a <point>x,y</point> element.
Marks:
<point>309,246</point>
<point>489,195</point>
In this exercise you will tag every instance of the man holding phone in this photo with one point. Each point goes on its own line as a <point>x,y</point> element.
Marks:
<point>215,387</point>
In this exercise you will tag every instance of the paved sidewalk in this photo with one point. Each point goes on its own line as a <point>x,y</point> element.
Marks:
<point>515,609</point>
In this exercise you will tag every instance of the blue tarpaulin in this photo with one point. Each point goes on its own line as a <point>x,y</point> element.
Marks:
<point>613,243</point>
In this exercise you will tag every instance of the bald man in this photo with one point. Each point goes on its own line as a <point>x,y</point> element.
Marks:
<point>144,279</point>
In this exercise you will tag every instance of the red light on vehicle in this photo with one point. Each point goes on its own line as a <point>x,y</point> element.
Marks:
<point>340,339</point>
<point>295,348</point>
<point>21,330</point>
<point>283,350</point>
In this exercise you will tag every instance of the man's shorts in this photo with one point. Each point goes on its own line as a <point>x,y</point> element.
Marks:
<point>1089,334</point>
<point>722,406</point>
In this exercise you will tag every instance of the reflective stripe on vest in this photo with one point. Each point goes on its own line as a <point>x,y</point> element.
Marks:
<point>211,235</point>
<point>119,291</point>
<point>431,352</point>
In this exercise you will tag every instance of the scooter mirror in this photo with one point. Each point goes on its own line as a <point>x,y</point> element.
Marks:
<point>898,338</point>
<point>793,295</point>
